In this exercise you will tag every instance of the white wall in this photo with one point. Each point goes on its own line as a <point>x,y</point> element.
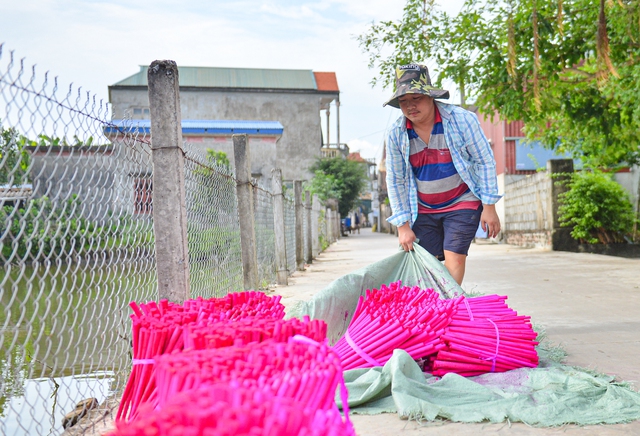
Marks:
<point>298,112</point>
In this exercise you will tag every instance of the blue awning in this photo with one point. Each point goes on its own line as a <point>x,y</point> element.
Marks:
<point>201,127</point>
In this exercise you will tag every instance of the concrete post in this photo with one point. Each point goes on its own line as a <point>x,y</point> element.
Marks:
<point>242,163</point>
<point>282,273</point>
<point>299,210</point>
<point>328,124</point>
<point>338,121</point>
<point>327,222</point>
<point>315,234</point>
<point>169,211</point>
<point>308,256</point>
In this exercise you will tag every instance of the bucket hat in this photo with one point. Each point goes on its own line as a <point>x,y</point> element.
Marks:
<point>414,79</point>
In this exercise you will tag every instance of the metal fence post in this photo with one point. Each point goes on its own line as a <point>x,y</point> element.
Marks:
<point>308,256</point>
<point>282,273</point>
<point>315,230</point>
<point>297,191</point>
<point>242,163</point>
<point>169,211</point>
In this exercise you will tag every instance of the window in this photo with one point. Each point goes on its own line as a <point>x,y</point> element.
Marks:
<point>142,200</point>
<point>140,111</point>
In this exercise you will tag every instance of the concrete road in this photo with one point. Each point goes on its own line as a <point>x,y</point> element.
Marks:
<point>589,304</point>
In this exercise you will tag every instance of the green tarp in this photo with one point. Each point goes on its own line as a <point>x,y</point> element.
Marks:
<point>550,395</point>
<point>336,303</point>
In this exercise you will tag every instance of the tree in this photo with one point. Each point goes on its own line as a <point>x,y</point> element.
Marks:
<point>597,208</point>
<point>326,186</point>
<point>14,158</point>
<point>570,69</point>
<point>218,158</point>
<point>346,178</point>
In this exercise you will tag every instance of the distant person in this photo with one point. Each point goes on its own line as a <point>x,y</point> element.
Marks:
<point>441,174</point>
<point>356,219</point>
<point>347,223</point>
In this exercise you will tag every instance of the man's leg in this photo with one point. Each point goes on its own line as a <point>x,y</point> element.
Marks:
<point>455,264</point>
<point>429,231</point>
<point>460,228</point>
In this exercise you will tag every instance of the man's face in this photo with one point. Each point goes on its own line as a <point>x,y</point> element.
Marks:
<point>418,108</point>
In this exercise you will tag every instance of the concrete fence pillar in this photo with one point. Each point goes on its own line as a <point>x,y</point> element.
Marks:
<point>282,273</point>
<point>242,163</point>
<point>299,211</point>
<point>328,226</point>
<point>308,255</point>
<point>315,229</point>
<point>169,211</point>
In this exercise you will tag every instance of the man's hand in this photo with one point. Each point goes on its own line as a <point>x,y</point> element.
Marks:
<point>489,220</point>
<point>406,237</point>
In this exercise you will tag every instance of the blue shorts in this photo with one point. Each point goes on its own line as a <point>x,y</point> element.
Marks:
<point>452,231</point>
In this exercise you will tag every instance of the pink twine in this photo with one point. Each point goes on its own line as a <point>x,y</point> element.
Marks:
<point>359,350</point>
<point>143,361</point>
<point>495,356</point>
<point>466,303</point>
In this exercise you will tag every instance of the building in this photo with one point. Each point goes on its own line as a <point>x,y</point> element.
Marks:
<point>293,98</point>
<point>202,135</point>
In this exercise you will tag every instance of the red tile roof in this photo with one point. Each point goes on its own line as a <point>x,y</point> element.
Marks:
<point>356,157</point>
<point>326,81</point>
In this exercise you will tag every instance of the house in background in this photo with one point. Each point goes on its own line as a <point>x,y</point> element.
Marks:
<point>209,95</point>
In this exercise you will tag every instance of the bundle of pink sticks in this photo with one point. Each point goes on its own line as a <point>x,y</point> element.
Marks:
<point>394,317</point>
<point>160,328</point>
<point>300,369</point>
<point>486,335</point>
<point>467,336</point>
<point>233,410</point>
<point>230,366</point>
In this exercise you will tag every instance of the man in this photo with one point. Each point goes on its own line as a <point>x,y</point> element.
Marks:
<point>441,173</point>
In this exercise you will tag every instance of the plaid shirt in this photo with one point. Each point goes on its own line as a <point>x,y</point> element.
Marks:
<point>470,152</point>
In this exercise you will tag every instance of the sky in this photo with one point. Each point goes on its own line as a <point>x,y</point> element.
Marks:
<point>94,44</point>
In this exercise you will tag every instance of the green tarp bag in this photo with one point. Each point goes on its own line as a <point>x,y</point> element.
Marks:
<point>336,303</point>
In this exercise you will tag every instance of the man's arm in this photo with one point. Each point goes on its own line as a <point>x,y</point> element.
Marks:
<point>406,237</point>
<point>484,164</point>
<point>489,220</point>
<point>397,183</point>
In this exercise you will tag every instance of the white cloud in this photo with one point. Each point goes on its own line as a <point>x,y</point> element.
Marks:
<point>97,43</point>
<point>366,149</point>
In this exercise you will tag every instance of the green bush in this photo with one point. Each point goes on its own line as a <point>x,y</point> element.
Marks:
<point>39,229</point>
<point>597,207</point>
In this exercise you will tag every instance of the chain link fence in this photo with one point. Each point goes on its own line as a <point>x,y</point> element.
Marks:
<point>215,265</point>
<point>77,244</point>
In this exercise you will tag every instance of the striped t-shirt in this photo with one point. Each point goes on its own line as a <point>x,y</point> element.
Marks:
<point>440,188</point>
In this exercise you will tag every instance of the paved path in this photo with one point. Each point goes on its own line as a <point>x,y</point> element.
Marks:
<point>590,304</point>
